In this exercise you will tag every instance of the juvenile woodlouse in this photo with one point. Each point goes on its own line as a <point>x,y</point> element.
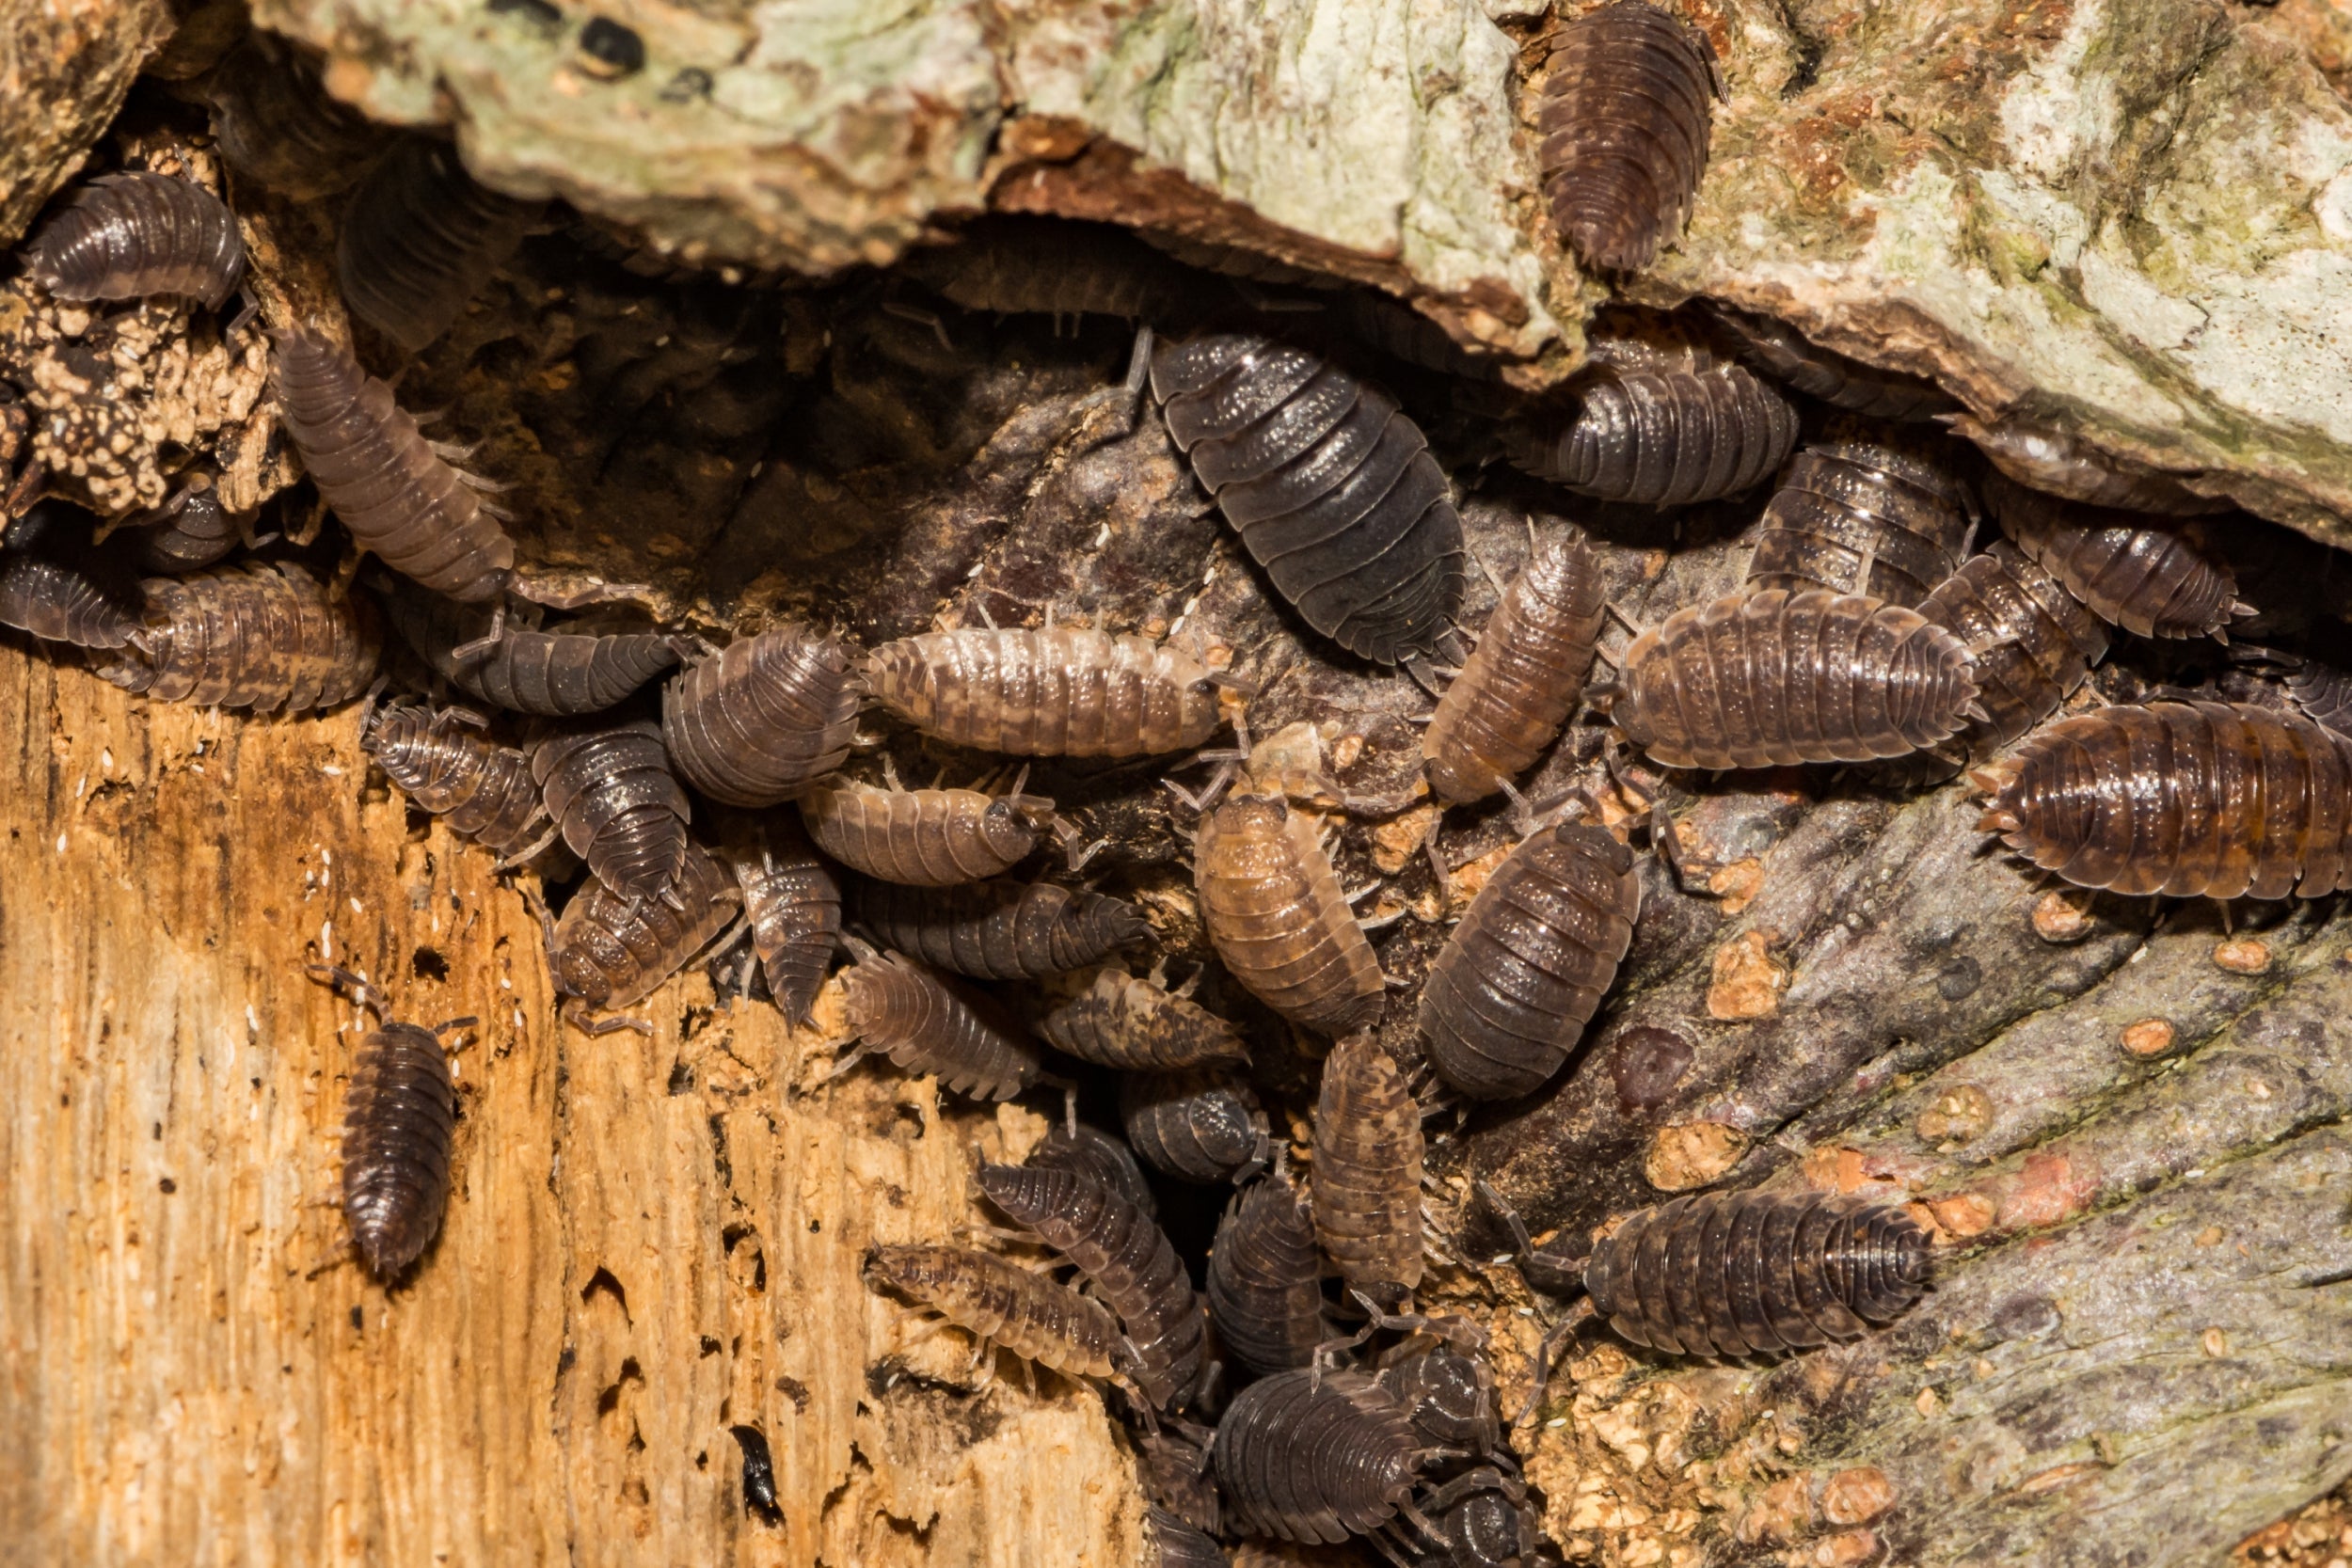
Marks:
<point>923,837</point>
<point>1861,514</point>
<point>130,235</point>
<point>1663,433</point>
<point>1328,484</point>
<point>1770,678</point>
<point>1126,1255</point>
<point>2139,572</point>
<point>190,531</point>
<point>766,718</point>
<point>389,485</point>
<point>1511,992</point>
<point>793,902</point>
<point>999,929</point>
<point>1313,1456</point>
<point>2186,800</point>
<point>2055,464</point>
<point>1366,1180</point>
<point>1196,1125</point>
<point>1783,352</point>
<point>894,1006</point>
<point>1019,265</point>
<point>2034,642</point>
<point>1178,1545</point>
<point>1059,691</point>
<point>264,637</point>
<point>419,239</point>
<point>552,673</point>
<point>277,124</point>
<point>1001,1304</point>
<point>1756,1274</point>
<point>1627,115</point>
<point>1524,678</point>
<point>1265,1287</point>
<point>442,762</point>
<point>608,951</point>
<point>1125,1021</point>
<point>1097,1156</point>
<point>400,1119</point>
<point>1277,917</point>
<point>621,810</point>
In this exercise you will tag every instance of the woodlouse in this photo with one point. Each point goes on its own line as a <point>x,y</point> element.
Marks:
<point>2324,693</point>
<point>1127,1257</point>
<point>1756,1274</point>
<point>552,673</point>
<point>610,951</point>
<point>923,837</point>
<point>1511,992</point>
<point>1783,352</point>
<point>1277,917</point>
<point>2187,799</point>
<point>391,486</point>
<point>419,239</point>
<point>766,718</point>
<point>190,531</point>
<point>266,637</point>
<point>1524,678</point>
<point>1627,114</point>
<point>793,902</point>
<point>1304,1455</point>
<point>1330,487</point>
<point>894,1006</point>
<point>1864,513</point>
<point>2143,574</point>
<point>1663,433</point>
<point>130,235</point>
<point>2034,642</point>
<point>400,1119</point>
<point>1001,1304</point>
<point>1770,678</point>
<point>999,929</point>
<point>1196,1125</point>
<point>445,763</point>
<point>1059,692</point>
<point>1366,1180</point>
<point>1040,266</point>
<point>1178,1545</point>
<point>1265,1288</point>
<point>277,124</point>
<point>1097,1156</point>
<point>621,810</point>
<point>1176,1474</point>
<point>1447,1395</point>
<point>54,585</point>
<point>1125,1021</point>
<point>2055,464</point>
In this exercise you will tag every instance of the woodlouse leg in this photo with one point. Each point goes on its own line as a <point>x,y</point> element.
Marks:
<point>528,853</point>
<point>1540,1376</point>
<point>596,594</point>
<point>921,318</point>
<point>487,641</point>
<point>578,1019</point>
<point>1425,677</point>
<point>362,993</point>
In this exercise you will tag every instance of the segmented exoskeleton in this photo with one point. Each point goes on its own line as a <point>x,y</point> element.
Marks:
<point>2143,574</point>
<point>1022,265</point>
<point>766,718</point>
<point>1003,1303</point>
<point>1783,352</point>
<point>444,762</point>
<point>126,236</point>
<point>1124,1021</point>
<point>1058,692</point>
<point>1524,678</point>
<point>1315,1455</point>
<point>923,837</point>
<point>553,674</point>
<point>1661,429</point>
<point>1265,1287</point>
<point>1276,917</point>
<point>621,810</point>
<point>419,238</point>
<point>2034,643</point>
<point>1366,1179</point>
<point>264,637</point>
<point>1865,512</point>
<point>1627,111</point>
<point>1199,1126</point>
<point>1097,1156</point>
<point>793,901</point>
<point>2055,463</point>
<point>998,929</point>
<point>277,125</point>
<point>611,951</point>
<point>894,1006</point>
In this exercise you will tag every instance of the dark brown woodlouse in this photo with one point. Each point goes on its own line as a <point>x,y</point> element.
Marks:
<point>1768,678</point>
<point>1525,676</point>
<point>266,637</point>
<point>923,837</point>
<point>1784,354</point>
<point>1125,1021</point>
<point>1627,114</point>
<point>391,487</point>
<point>400,1120</point>
<point>1200,1126</point>
<point>1178,1545</point>
<point>1663,433</point>
<point>2324,693</point>
<point>277,125</point>
<point>1317,1456</point>
<point>608,951</point>
<point>793,902</point>
<point>999,929</point>
<point>445,763</point>
<point>1277,917</point>
<point>552,673</point>
<point>1058,692</point>
<point>2186,800</point>
<point>1756,1274</point>
<point>1330,487</point>
<point>2034,642</point>
<point>1366,1180</point>
<point>621,810</point>
<point>1447,1394</point>
<point>894,1006</point>
<point>1020,266</point>
<point>1864,513</point>
<point>2059,464</point>
<point>2143,574</point>
<point>1265,1287</point>
<point>1097,1156</point>
<point>765,719</point>
<point>130,235</point>
<point>190,531</point>
<point>1511,992</point>
<point>1127,1257</point>
<point>1003,1304</point>
<point>419,239</point>
<point>56,586</point>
